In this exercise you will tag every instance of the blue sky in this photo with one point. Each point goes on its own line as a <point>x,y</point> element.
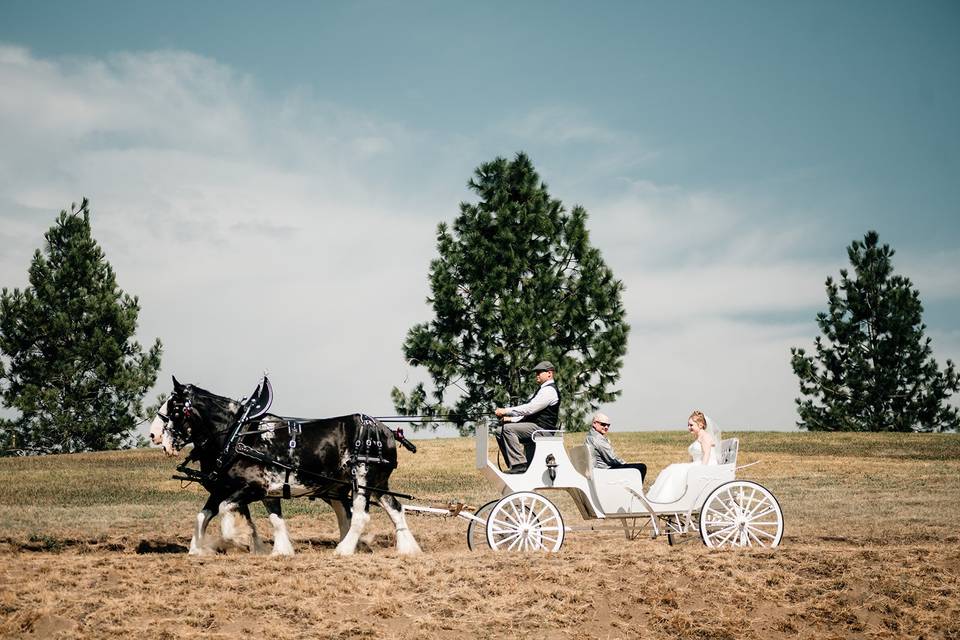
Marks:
<point>727,153</point>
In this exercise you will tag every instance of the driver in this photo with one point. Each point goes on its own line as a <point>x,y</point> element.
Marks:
<point>540,412</point>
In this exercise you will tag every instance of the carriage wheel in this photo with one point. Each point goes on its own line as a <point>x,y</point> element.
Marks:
<point>741,514</point>
<point>525,521</point>
<point>681,536</point>
<point>477,531</point>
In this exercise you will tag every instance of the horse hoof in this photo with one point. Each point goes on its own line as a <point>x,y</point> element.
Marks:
<point>408,551</point>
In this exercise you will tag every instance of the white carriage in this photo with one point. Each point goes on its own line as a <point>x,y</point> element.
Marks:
<point>722,510</point>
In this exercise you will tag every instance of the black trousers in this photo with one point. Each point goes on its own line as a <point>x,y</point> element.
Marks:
<point>639,466</point>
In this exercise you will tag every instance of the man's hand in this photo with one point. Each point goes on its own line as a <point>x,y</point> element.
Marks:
<point>500,412</point>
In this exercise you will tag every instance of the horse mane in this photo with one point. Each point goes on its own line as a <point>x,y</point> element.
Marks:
<point>215,409</point>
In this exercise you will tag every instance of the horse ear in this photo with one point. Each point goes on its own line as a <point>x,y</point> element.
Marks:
<point>176,385</point>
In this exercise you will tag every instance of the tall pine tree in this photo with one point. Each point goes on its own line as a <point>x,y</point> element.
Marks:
<point>70,365</point>
<point>516,281</point>
<point>873,369</point>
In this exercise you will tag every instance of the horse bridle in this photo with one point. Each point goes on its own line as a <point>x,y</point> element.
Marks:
<point>179,412</point>
<point>178,422</point>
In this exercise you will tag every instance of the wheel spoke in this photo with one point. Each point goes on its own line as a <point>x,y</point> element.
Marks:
<point>501,541</point>
<point>546,509</point>
<point>720,532</point>
<point>517,517</point>
<point>504,527</point>
<point>728,537</point>
<point>550,522</point>
<point>754,516</point>
<point>754,530</point>
<point>503,532</point>
<point>758,505</point>
<point>750,536</point>
<point>722,515</point>
<point>511,517</point>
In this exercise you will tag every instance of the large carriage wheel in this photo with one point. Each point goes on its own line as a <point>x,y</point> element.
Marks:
<point>525,521</point>
<point>477,531</point>
<point>741,513</point>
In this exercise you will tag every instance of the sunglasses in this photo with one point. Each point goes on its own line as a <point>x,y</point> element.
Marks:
<point>602,424</point>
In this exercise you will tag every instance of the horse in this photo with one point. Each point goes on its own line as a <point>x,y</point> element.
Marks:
<point>328,458</point>
<point>162,436</point>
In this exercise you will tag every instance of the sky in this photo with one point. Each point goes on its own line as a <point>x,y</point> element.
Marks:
<point>268,180</point>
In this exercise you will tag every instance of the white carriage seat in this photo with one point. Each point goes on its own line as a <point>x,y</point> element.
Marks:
<point>727,451</point>
<point>612,487</point>
<point>582,459</point>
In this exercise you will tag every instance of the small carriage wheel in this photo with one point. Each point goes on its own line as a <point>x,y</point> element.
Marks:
<point>675,539</point>
<point>525,521</point>
<point>741,513</point>
<point>477,531</point>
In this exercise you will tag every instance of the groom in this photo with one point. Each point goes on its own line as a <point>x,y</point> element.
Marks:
<point>602,450</point>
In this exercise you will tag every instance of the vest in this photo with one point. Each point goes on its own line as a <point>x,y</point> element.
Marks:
<point>546,418</point>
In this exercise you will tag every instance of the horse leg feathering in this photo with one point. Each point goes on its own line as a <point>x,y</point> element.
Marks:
<point>406,543</point>
<point>197,543</point>
<point>360,517</point>
<point>281,539</point>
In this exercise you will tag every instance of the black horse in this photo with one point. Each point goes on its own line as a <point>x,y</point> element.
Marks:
<point>346,461</point>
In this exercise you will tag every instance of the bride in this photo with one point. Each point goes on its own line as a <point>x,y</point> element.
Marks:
<point>672,481</point>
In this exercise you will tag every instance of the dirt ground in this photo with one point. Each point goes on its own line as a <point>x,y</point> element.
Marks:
<point>871,550</point>
<point>599,586</point>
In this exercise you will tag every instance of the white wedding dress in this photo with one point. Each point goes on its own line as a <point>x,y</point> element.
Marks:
<point>672,481</point>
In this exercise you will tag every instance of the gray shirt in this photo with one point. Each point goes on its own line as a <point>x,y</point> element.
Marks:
<point>603,455</point>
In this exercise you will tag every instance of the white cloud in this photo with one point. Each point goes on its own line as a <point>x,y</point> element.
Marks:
<point>558,125</point>
<point>293,233</point>
<point>935,275</point>
<point>738,372</point>
<point>241,260</point>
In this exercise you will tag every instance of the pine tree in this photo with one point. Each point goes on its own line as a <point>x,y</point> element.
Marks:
<point>873,369</point>
<point>70,365</point>
<point>516,281</point>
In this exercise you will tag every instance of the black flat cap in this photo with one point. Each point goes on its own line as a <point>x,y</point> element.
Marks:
<point>544,365</point>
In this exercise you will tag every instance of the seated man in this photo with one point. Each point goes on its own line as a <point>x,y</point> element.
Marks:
<point>602,450</point>
<point>540,412</point>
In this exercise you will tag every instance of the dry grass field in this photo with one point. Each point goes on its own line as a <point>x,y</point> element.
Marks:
<point>94,546</point>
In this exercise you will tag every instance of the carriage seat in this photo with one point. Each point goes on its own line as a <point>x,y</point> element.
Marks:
<point>582,459</point>
<point>727,451</point>
<point>611,487</point>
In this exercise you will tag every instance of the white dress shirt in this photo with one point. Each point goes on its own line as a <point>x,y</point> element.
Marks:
<point>545,397</point>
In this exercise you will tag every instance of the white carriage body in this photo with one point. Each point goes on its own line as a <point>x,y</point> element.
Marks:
<point>723,510</point>
<point>604,493</point>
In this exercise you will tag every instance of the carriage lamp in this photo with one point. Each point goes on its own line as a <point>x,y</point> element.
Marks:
<point>552,467</point>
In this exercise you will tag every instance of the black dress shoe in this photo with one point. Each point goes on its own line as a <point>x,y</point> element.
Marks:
<point>520,468</point>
